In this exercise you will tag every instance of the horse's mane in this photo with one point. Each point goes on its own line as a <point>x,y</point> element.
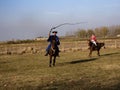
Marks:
<point>53,38</point>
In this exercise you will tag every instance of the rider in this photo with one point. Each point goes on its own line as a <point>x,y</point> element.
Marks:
<point>50,40</point>
<point>93,39</point>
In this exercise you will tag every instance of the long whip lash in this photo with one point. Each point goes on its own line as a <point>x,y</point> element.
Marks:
<point>66,24</point>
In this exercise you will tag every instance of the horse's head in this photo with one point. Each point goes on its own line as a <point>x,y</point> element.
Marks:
<point>54,49</point>
<point>103,44</point>
<point>53,43</point>
<point>100,45</point>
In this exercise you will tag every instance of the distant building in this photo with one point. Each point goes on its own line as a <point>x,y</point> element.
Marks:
<point>118,35</point>
<point>40,38</point>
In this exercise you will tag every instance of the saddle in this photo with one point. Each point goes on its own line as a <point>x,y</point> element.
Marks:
<point>91,44</point>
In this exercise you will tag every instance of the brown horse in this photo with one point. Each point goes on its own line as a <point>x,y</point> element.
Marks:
<point>53,52</point>
<point>97,48</point>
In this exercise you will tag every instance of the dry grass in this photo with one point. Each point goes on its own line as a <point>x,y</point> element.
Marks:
<point>73,71</point>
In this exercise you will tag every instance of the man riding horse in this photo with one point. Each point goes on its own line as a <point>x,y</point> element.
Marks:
<point>50,40</point>
<point>93,39</point>
<point>94,45</point>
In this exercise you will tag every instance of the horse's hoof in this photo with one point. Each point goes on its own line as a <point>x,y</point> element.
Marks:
<point>49,65</point>
<point>89,56</point>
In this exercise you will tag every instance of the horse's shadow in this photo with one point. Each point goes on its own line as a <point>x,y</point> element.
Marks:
<point>91,59</point>
<point>109,54</point>
<point>78,61</point>
<point>86,60</point>
<point>83,61</point>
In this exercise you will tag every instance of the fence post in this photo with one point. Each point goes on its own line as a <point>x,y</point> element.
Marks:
<point>63,47</point>
<point>76,45</point>
<point>115,44</point>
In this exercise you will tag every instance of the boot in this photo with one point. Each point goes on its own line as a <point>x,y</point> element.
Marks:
<point>47,53</point>
<point>58,54</point>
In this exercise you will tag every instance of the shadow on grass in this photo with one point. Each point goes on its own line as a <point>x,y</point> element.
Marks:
<point>77,61</point>
<point>86,60</point>
<point>108,54</point>
<point>82,61</point>
<point>91,59</point>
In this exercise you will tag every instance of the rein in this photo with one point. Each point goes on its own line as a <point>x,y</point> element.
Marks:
<point>53,49</point>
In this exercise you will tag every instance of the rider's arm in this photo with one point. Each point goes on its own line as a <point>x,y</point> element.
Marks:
<point>49,37</point>
<point>49,34</point>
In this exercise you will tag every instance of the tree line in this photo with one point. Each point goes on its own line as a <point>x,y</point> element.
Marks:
<point>101,32</point>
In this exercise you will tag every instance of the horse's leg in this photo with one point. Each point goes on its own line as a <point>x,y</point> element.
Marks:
<point>54,60</point>
<point>90,53</point>
<point>98,52</point>
<point>50,61</point>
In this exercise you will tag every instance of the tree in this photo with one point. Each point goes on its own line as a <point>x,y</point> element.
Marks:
<point>104,31</point>
<point>97,32</point>
<point>117,31</point>
<point>81,33</point>
<point>89,32</point>
<point>114,31</point>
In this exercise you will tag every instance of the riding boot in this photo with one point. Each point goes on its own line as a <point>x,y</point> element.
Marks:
<point>58,54</point>
<point>95,44</point>
<point>47,53</point>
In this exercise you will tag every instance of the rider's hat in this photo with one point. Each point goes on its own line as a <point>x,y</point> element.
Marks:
<point>54,31</point>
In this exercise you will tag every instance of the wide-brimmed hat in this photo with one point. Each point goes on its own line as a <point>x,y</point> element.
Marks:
<point>54,31</point>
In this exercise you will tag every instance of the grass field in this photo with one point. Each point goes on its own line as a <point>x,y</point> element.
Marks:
<point>73,71</point>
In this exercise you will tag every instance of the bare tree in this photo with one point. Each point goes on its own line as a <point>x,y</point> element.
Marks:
<point>89,32</point>
<point>81,33</point>
<point>97,32</point>
<point>104,31</point>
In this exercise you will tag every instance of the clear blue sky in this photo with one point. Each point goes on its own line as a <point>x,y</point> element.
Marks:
<point>27,19</point>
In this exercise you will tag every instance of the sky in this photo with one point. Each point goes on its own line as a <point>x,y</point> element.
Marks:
<point>27,19</point>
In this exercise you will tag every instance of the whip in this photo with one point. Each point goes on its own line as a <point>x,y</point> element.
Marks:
<point>65,24</point>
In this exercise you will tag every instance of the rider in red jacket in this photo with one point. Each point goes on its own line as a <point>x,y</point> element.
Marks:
<point>93,39</point>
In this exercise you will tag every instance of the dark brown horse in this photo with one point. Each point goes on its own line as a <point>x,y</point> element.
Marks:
<point>97,48</point>
<point>53,52</point>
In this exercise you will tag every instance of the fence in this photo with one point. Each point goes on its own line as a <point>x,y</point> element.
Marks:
<point>40,47</point>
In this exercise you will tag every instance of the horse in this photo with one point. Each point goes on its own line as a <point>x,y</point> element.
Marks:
<point>97,48</point>
<point>53,52</point>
